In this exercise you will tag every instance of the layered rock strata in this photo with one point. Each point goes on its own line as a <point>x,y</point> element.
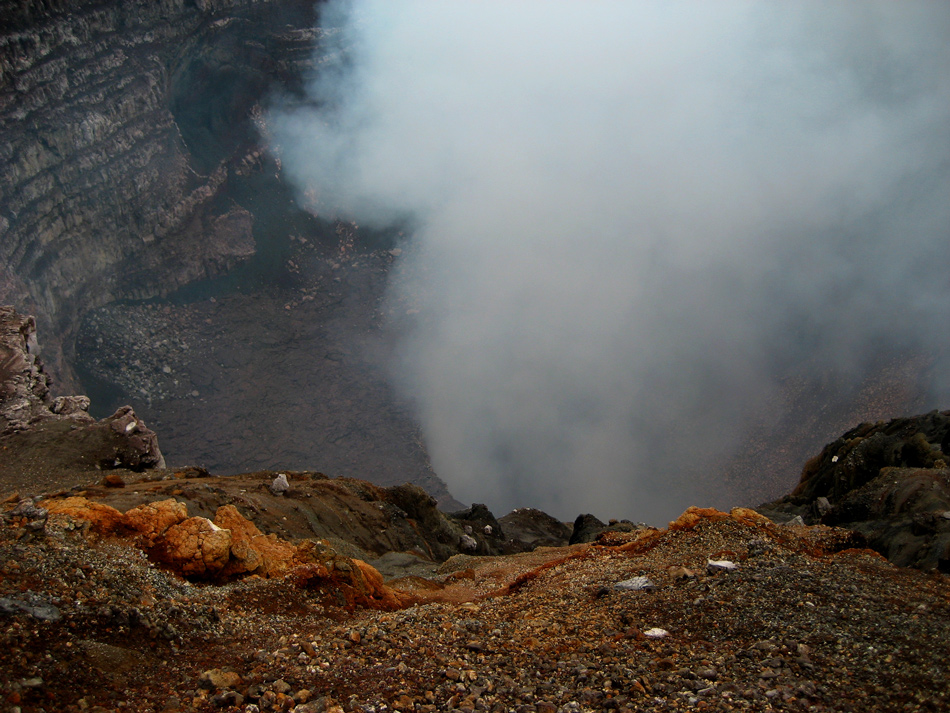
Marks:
<point>123,127</point>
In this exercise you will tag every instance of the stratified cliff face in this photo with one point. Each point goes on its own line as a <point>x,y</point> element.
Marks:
<point>130,166</point>
<point>123,128</point>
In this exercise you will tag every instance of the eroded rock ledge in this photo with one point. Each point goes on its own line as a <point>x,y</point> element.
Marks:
<point>41,436</point>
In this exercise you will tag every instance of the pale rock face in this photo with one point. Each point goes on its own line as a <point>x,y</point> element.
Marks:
<point>279,486</point>
<point>35,427</point>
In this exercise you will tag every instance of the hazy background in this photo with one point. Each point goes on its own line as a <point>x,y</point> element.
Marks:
<point>630,221</point>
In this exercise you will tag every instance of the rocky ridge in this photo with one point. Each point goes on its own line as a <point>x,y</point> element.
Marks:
<point>737,614</point>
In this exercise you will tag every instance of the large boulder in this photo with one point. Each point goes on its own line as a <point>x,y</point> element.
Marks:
<point>888,481</point>
<point>195,547</point>
<point>253,552</point>
<point>102,519</point>
<point>151,521</point>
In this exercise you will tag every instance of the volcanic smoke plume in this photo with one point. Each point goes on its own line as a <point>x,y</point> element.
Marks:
<point>631,220</point>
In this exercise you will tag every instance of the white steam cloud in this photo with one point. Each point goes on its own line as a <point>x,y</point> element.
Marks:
<point>631,219</point>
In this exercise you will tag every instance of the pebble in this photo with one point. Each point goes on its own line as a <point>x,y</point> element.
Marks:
<point>721,566</point>
<point>678,572</point>
<point>635,584</point>
<point>36,605</point>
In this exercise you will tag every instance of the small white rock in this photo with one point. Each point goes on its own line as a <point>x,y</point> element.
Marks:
<point>721,565</point>
<point>279,485</point>
<point>656,633</point>
<point>636,584</point>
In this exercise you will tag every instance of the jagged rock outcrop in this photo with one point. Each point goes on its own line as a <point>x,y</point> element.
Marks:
<point>123,128</point>
<point>195,547</point>
<point>151,521</point>
<point>588,528</point>
<point>535,528</point>
<point>483,533</point>
<point>888,481</point>
<point>39,434</point>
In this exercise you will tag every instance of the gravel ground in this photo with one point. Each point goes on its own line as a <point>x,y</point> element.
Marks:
<point>800,624</point>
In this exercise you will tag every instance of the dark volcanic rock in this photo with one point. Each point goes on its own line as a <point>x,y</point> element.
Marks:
<point>588,528</point>
<point>479,524</point>
<point>858,456</point>
<point>887,480</point>
<point>535,528</point>
<point>42,438</point>
<point>905,515</point>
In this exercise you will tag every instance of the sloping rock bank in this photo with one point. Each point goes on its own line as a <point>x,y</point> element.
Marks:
<point>41,438</point>
<point>280,379</point>
<point>886,480</point>
<point>353,516</point>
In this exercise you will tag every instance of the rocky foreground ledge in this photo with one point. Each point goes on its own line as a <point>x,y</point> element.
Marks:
<point>716,612</point>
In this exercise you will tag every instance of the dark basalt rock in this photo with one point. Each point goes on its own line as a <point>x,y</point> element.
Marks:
<point>905,515</point>
<point>888,481</point>
<point>479,524</point>
<point>535,528</point>
<point>588,528</point>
